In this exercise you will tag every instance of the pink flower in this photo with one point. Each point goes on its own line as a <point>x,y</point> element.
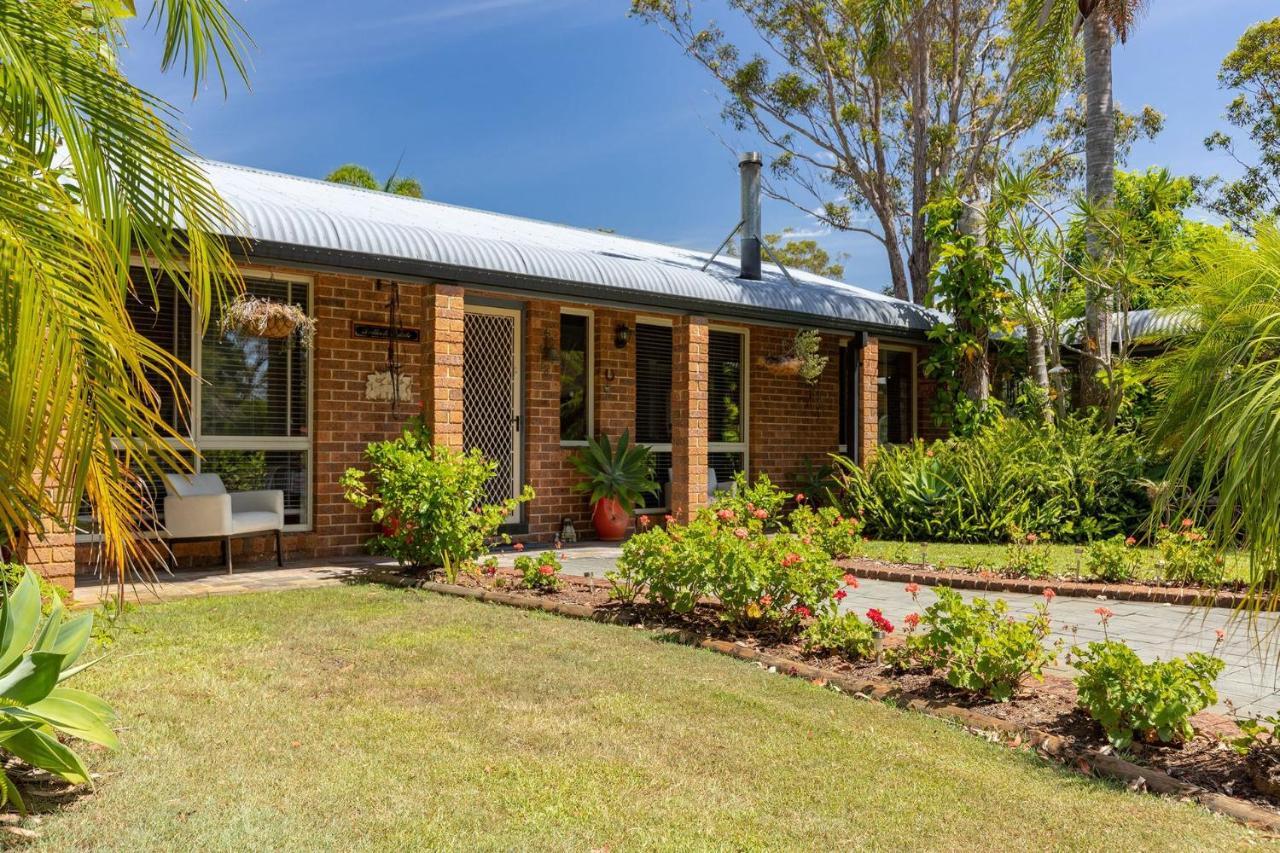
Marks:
<point>808,540</point>
<point>850,581</point>
<point>644,521</point>
<point>1186,522</point>
<point>1104,613</point>
<point>725,515</point>
<point>1031,538</point>
<point>741,532</point>
<point>912,620</point>
<point>761,514</point>
<point>802,611</point>
<point>1049,594</point>
<point>800,498</point>
<point>913,589</point>
<point>546,570</point>
<point>766,601</point>
<point>669,518</point>
<point>791,559</point>
<point>840,595</point>
<point>519,546</point>
<point>1130,541</point>
<point>1220,634</point>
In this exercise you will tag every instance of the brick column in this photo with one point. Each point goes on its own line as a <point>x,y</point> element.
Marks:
<point>868,378</point>
<point>442,356</point>
<point>689,341</point>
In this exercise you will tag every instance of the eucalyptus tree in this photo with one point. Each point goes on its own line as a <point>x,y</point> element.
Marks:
<point>355,175</point>
<point>92,173</point>
<point>872,106</point>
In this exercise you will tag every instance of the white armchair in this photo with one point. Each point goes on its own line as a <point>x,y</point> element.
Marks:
<point>199,507</point>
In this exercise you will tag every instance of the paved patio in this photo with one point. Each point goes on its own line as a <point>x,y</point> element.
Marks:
<point>1250,682</point>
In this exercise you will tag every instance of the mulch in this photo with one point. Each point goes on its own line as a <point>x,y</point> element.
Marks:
<point>1043,715</point>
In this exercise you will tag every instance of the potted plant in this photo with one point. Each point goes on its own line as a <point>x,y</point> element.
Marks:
<point>267,318</point>
<point>617,476</point>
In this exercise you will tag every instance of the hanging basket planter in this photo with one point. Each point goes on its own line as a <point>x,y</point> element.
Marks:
<point>266,318</point>
<point>783,365</point>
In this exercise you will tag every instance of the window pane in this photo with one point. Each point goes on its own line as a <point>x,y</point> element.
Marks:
<point>661,476</point>
<point>653,384</point>
<point>163,318</point>
<point>725,466</point>
<point>255,386</point>
<point>896,393</point>
<point>251,470</point>
<point>725,394</point>
<point>573,377</point>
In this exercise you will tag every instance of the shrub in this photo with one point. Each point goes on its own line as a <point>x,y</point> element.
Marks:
<point>761,500</point>
<point>1187,555</point>
<point>1113,560</point>
<point>827,528</point>
<point>429,500</point>
<point>1072,481</point>
<point>1028,557</point>
<point>979,646</point>
<point>842,633</point>
<point>1133,700</point>
<point>34,660</point>
<point>539,571</point>
<point>51,595</point>
<point>724,552</point>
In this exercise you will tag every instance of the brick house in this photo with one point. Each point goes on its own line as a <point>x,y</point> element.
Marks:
<point>522,338</point>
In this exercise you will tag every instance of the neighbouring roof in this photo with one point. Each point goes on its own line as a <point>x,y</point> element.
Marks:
<point>292,219</point>
<point>1146,325</point>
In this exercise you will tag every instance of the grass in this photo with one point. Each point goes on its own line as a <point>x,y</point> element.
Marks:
<point>361,717</point>
<point>1063,558</point>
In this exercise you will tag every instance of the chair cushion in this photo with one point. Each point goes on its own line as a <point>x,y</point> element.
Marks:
<point>189,485</point>
<point>252,522</point>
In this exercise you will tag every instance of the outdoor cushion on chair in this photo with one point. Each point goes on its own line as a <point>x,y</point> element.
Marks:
<point>198,506</point>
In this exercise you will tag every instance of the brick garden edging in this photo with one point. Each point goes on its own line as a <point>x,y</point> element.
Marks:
<point>1185,595</point>
<point>880,689</point>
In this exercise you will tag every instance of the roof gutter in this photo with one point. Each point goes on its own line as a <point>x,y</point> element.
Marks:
<point>426,272</point>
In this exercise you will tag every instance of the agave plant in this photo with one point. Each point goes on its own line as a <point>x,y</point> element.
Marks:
<point>34,660</point>
<point>622,472</point>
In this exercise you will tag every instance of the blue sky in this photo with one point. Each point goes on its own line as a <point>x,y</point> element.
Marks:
<point>569,111</point>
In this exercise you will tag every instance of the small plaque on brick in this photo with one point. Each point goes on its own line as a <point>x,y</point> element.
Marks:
<point>382,333</point>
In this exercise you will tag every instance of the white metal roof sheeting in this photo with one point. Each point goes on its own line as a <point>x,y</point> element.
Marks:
<point>286,210</point>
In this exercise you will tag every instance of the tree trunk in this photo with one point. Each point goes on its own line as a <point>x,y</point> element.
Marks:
<point>897,270</point>
<point>919,261</point>
<point>1100,157</point>
<point>1038,367</point>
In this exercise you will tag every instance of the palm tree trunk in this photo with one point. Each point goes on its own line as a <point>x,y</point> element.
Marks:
<point>1038,367</point>
<point>1100,157</point>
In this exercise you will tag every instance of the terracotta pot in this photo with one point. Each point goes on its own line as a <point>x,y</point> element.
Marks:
<point>610,520</point>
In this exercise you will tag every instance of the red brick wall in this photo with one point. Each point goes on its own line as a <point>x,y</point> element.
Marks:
<point>791,421</point>
<point>689,342</point>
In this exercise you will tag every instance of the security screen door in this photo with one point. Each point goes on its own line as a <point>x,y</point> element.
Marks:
<point>491,394</point>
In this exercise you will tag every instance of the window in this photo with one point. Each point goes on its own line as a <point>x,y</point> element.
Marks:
<point>726,404</point>
<point>575,378</point>
<point>250,413</point>
<point>896,396</point>
<point>653,402</point>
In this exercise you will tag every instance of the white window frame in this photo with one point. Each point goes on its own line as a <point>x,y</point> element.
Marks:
<point>744,446</point>
<point>591,373</point>
<point>197,443</point>
<point>915,386</point>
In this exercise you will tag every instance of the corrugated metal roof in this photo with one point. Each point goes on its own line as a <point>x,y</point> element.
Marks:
<point>393,234</point>
<point>1145,325</point>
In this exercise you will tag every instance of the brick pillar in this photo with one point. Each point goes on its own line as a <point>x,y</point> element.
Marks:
<point>869,376</point>
<point>442,323</point>
<point>689,341</point>
<point>52,555</point>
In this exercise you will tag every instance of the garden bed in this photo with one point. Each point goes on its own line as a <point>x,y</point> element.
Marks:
<point>1160,592</point>
<point>1042,716</point>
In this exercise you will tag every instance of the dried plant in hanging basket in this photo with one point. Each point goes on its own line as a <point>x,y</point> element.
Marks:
<point>267,318</point>
<point>803,359</point>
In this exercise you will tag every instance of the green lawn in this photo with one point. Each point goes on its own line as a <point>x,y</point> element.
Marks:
<point>1064,558</point>
<point>361,717</point>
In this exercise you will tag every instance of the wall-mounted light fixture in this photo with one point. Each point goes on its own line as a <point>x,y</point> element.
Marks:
<point>621,336</point>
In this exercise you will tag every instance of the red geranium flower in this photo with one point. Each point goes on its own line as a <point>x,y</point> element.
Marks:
<point>912,620</point>
<point>1049,594</point>
<point>802,611</point>
<point>1104,613</point>
<point>840,595</point>
<point>766,601</point>
<point>800,498</point>
<point>876,618</point>
<point>850,581</point>
<point>913,589</point>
